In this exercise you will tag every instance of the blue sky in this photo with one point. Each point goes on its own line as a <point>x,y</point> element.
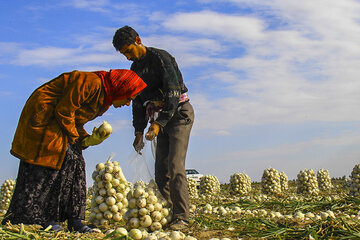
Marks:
<point>273,83</point>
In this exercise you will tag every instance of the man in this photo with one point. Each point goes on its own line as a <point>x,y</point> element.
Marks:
<point>164,103</point>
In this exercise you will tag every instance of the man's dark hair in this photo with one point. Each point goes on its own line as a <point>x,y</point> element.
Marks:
<point>125,35</point>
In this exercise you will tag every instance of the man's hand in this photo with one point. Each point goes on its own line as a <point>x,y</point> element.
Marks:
<point>153,131</point>
<point>94,139</point>
<point>138,142</point>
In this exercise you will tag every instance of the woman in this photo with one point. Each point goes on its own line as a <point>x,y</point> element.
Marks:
<point>50,136</point>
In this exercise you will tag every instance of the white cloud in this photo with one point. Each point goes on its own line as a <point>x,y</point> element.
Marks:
<point>296,148</point>
<point>281,102</point>
<point>92,5</point>
<point>303,70</point>
<point>121,124</point>
<point>8,50</point>
<point>327,153</point>
<point>52,56</point>
<point>6,93</point>
<point>185,44</point>
<point>187,51</point>
<point>90,49</point>
<point>222,25</point>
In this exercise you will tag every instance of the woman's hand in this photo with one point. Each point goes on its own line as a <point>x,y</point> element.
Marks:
<point>94,139</point>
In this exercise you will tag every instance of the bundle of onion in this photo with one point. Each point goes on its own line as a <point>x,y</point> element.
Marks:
<point>137,234</point>
<point>170,235</point>
<point>207,209</point>
<point>355,181</point>
<point>108,203</point>
<point>284,182</point>
<point>209,186</point>
<point>192,188</point>
<point>147,210</point>
<point>90,192</point>
<point>270,182</point>
<point>324,180</point>
<point>240,183</point>
<point>307,182</point>
<point>122,233</point>
<point>7,189</point>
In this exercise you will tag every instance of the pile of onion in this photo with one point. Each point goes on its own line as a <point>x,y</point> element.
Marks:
<point>7,189</point>
<point>307,182</point>
<point>284,181</point>
<point>109,202</point>
<point>209,186</point>
<point>240,183</point>
<point>192,188</point>
<point>147,208</point>
<point>355,181</point>
<point>324,180</point>
<point>270,182</point>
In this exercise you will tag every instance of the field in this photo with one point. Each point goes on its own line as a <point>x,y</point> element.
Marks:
<point>333,214</point>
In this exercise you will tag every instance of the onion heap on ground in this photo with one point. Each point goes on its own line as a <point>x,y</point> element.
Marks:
<point>270,182</point>
<point>284,182</point>
<point>209,186</point>
<point>355,181</point>
<point>109,202</point>
<point>7,189</point>
<point>89,195</point>
<point>240,183</point>
<point>192,188</point>
<point>90,192</point>
<point>324,180</point>
<point>171,235</point>
<point>148,211</point>
<point>137,234</point>
<point>307,182</point>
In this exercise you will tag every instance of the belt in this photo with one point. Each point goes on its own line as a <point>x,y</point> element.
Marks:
<point>184,98</point>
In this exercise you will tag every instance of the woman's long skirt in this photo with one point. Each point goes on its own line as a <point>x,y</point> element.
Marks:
<point>43,194</point>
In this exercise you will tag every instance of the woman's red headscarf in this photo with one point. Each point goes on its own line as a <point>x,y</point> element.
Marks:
<point>120,84</point>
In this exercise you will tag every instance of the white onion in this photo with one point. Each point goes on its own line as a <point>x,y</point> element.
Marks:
<point>104,129</point>
<point>108,215</point>
<point>135,234</point>
<point>156,216</point>
<point>122,231</point>
<point>103,207</point>
<point>99,199</point>
<point>155,226</point>
<point>134,222</point>
<point>110,201</point>
<point>145,221</point>
<point>141,202</point>
<point>114,209</point>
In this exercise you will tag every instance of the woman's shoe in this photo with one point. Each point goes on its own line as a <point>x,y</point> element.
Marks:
<point>54,226</point>
<point>178,225</point>
<point>75,225</point>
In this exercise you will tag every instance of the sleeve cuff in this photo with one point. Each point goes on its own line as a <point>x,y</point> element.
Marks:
<point>161,123</point>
